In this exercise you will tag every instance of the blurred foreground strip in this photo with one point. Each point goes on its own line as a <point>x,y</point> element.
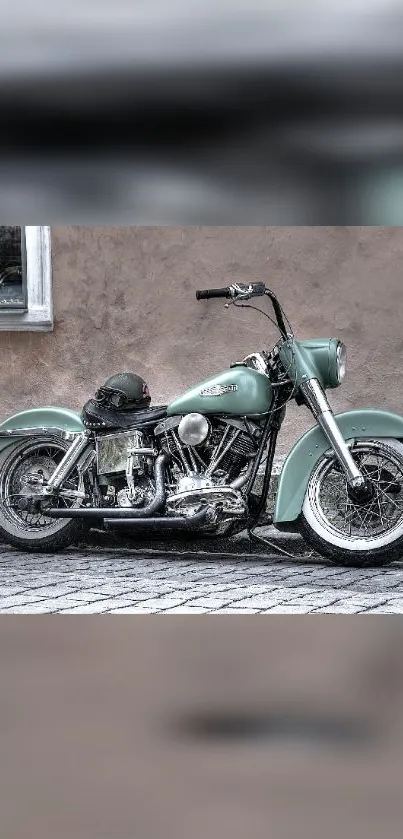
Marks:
<point>181,726</point>
<point>210,113</point>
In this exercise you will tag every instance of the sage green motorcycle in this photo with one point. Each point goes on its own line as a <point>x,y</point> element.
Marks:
<point>194,465</point>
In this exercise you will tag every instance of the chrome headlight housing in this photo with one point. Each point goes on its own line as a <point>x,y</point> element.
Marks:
<point>341,362</point>
<point>336,364</point>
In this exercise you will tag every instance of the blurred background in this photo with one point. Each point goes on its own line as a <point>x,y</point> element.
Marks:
<point>220,112</point>
<point>182,726</point>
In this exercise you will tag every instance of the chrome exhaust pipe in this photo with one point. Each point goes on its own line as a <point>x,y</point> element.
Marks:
<point>96,513</point>
<point>162,523</point>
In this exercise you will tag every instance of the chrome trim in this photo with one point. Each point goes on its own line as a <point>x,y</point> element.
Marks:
<point>315,397</point>
<point>341,348</point>
<point>34,432</point>
<point>114,449</point>
<point>131,489</point>
<point>335,437</point>
<point>146,452</point>
<point>86,461</point>
<point>218,390</point>
<point>72,493</point>
<point>241,292</point>
<point>213,465</point>
<point>216,456</point>
<point>67,463</point>
<point>239,482</point>
<point>231,499</point>
<point>192,458</point>
<point>181,453</point>
<point>316,401</point>
<point>257,362</point>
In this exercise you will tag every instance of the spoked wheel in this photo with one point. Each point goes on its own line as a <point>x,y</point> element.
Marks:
<point>350,533</point>
<point>24,467</point>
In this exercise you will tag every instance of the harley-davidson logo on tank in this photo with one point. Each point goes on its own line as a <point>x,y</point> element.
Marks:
<point>218,390</point>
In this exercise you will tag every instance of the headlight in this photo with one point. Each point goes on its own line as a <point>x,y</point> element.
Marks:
<point>320,358</point>
<point>341,361</point>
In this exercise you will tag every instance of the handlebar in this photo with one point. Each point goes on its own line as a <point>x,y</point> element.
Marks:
<point>207,293</point>
<point>239,291</point>
<point>235,292</point>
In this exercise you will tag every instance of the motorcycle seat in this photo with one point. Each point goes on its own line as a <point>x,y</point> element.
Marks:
<point>98,418</point>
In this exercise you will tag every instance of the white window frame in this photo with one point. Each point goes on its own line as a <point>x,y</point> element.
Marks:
<point>39,314</point>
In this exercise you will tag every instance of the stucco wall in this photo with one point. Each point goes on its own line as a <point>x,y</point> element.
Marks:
<point>125,299</point>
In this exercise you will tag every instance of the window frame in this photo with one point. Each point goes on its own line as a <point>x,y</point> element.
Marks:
<point>38,314</point>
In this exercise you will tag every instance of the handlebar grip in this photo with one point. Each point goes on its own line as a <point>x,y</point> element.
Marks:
<point>259,289</point>
<point>207,293</point>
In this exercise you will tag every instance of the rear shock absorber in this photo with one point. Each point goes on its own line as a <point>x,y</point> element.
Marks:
<point>67,463</point>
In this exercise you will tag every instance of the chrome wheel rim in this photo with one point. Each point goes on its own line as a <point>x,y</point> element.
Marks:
<point>37,461</point>
<point>353,527</point>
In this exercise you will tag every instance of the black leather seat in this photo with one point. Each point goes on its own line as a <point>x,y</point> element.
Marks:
<point>97,418</point>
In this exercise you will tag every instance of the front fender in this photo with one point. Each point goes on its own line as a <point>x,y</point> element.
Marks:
<point>61,420</point>
<point>305,454</point>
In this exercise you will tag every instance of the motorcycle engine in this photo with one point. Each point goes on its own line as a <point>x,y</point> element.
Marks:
<point>141,495</point>
<point>212,460</point>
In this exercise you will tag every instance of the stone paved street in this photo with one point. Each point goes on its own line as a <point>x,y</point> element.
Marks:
<point>109,577</point>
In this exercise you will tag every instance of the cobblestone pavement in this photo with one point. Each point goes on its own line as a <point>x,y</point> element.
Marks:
<point>117,580</point>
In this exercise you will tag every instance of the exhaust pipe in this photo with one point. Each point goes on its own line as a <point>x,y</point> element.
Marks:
<point>95,513</point>
<point>162,523</point>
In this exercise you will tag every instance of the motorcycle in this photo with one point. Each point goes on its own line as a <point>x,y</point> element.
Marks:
<point>193,465</point>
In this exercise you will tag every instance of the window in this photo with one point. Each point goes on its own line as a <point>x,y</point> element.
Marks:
<point>12,269</point>
<point>25,279</point>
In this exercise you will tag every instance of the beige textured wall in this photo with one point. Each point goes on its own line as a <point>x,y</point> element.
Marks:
<point>125,299</point>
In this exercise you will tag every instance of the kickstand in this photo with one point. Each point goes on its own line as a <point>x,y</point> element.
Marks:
<point>272,545</point>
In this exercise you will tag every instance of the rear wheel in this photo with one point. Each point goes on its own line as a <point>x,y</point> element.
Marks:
<point>351,534</point>
<point>23,520</point>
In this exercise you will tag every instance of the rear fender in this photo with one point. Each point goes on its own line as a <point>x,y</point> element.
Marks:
<point>303,457</point>
<point>59,422</point>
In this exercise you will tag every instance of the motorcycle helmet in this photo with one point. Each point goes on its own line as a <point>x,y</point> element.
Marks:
<point>124,391</point>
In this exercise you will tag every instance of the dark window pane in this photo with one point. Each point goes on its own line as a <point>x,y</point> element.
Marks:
<point>12,268</point>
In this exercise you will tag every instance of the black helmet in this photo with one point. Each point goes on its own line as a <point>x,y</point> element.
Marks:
<point>125,391</point>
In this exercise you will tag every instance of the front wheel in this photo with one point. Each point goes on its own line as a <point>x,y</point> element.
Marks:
<point>350,534</point>
<point>23,523</point>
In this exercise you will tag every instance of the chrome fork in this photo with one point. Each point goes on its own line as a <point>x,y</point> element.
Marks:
<point>316,401</point>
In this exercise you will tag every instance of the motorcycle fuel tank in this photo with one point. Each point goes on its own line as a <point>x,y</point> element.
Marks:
<point>239,391</point>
